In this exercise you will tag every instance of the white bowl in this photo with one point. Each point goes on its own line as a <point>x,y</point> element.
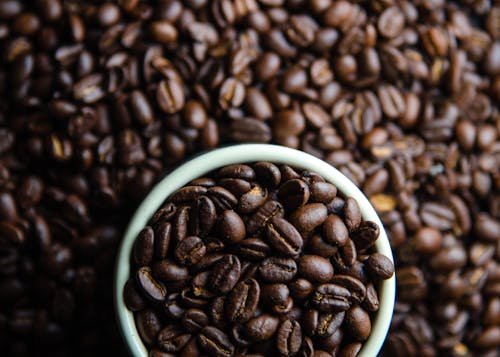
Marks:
<point>246,153</point>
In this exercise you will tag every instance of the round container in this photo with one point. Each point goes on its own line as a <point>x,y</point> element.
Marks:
<point>237,154</point>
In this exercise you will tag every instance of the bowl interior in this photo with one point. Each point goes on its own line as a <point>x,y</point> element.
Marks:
<point>245,153</point>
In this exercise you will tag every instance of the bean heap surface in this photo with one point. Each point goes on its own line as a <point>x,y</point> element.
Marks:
<point>100,99</point>
<point>256,260</point>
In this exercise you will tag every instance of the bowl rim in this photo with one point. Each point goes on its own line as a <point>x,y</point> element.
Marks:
<point>235,154</point>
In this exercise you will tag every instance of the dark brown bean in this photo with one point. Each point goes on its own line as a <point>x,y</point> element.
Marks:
<point>214,342</point>
<point>225,274</point>
<point>284,237</point>
<point>242,301</point>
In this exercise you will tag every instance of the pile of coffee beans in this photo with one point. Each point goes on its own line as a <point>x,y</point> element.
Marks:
<point>260,260</point>
<point>99,99</point>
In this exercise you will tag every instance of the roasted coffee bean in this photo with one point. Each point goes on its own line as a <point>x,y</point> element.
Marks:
<point>163,233</point>
<point>202,216</point>
<point>351,350</point>
<point>379,266</point>
<point>322,192</point>
<point>278,270</point>
<point>235,185</point>
<point>187,193</point>
<point>144,247</point>
<point>315,268</point>
<point>252,199</point>
<point>132,297</point>
<point>365,235</point>
<point>283,237</point>
<point>263,215</point>
<point>301,289</point>
<point>331,298</point>
<point>358,323</point>
<point>225,274</point>
<point>355,286</point>
<point>222,198</point>
<point>170,96</point>
<point>318,246</point>
<point>308,217</point>
<point>371,302</point>
<point>423,76</point>
<point>242,301</point>
<point>352,214</point>
<point>262,327</point>
<point>289,338</point>
<point>190,250</point>
<point>268,173</point>
<point>231,227</point>
<point>148,325</point>
<point>168,271</point>
<point>346,256</point>
<point>321,324</point>
<point>276,297</point>
<point>215,342</point>
<point>294,193</point>
<point>335,231</point>
<point>172,339</point>
<point>194,320</point>
<point>151,288</point>
<point>253,249</point>
<point>172,307</point>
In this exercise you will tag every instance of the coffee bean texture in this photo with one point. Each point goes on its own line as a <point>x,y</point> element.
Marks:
<point>255,276</point>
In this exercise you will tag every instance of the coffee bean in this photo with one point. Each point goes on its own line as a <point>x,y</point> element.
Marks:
<point>365,235</point>
<point>144,247</point>
<point>171,339</point>
<point>301,289</point>
<point>222,198</point>
<point>322,324</point>
<point>315,268</point>
<point>308,217</point>
<point>168,271</point>
<point>203,216</point>
<point>354,285</point>
<point>263,215</point>
<point>358,323</point>
<point>214,342</point>
<point>289,338</point>
<point>231,227</point>
<point>261,328</point>
<point>428,240</point>
<point>249,130</point>
<point>194,320</point>
<point>331,298</point>
<point>170,96</point>
<point>252,199</point>
<point>351,350</point>
<point>225,274</point>
<point>284,237</point>
<point>163,31</point>
<point>132,297</point>
<point>152,289</point>
<point>352,214</point>
<point>278,270</point>
<point>437,216</point>
<point>294,193</point>
<point>190,250</point>
<point>371,302</point>
<point>187,193</point>
<point>253,249</point>
<point>242,301</point>
<point>148,325</point>
<point>335,231</point>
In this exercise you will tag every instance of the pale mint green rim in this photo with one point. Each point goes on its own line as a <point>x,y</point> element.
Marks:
<point>244,153</point>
